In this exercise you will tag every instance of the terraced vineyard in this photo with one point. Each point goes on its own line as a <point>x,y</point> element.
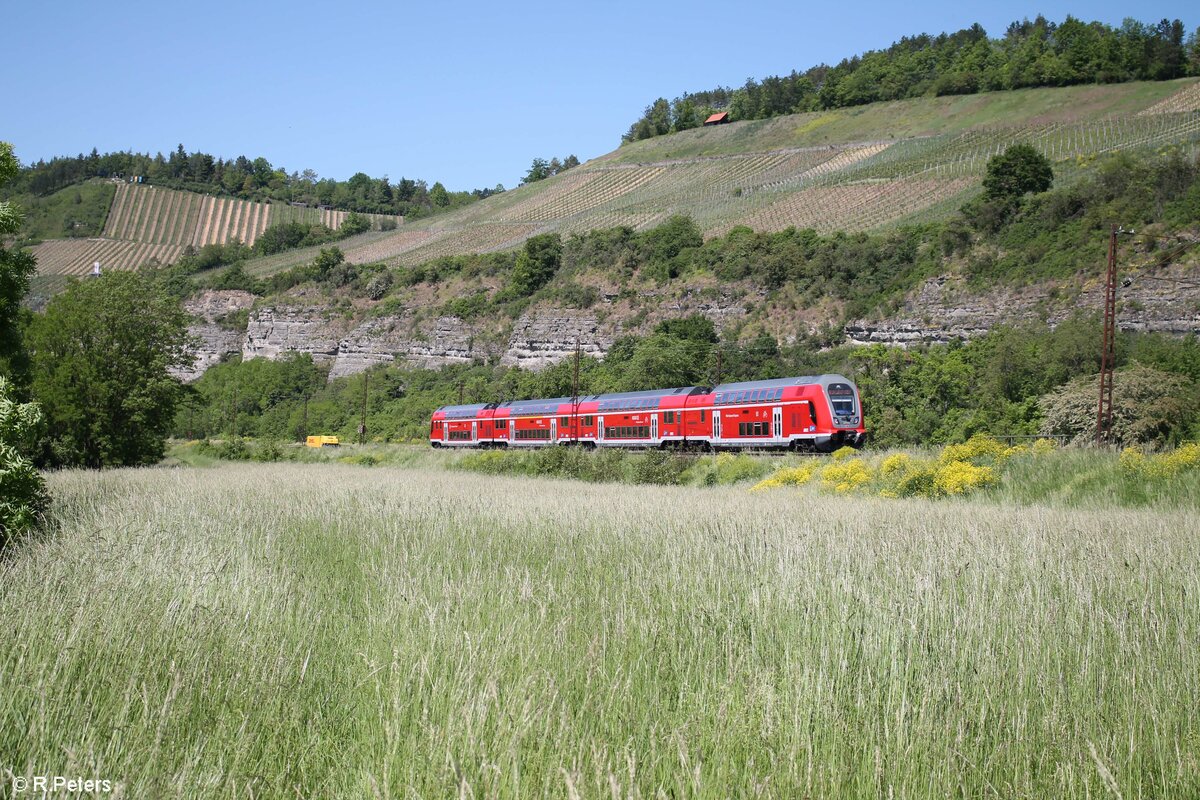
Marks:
<point>149,224</point>
<point>165,216</point>
<point>76,256</point>
<point>868,179</point>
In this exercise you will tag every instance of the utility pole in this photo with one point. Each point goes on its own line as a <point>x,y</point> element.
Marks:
<point>575,396</point>
<point>362,424</point>
<point>1108,355</point>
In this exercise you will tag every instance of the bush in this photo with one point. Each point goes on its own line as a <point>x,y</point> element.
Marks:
<point>787,476</point>
<point>659,467</point>
<point>1150,407</point>
<point>846,475</point>
<point>23,495</point>
<point>962,477</point>
<point>1161,465</point>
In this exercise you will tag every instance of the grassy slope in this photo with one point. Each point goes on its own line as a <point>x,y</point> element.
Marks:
<point>76,211</point>
<point>307,630</point>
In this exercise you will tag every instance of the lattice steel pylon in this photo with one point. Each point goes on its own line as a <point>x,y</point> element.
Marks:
<point>1108,346</point>
<point>575,396</point>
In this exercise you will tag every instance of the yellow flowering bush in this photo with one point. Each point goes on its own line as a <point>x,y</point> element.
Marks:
<point>961,477</point>
<point>978,446</point>
<point>788,476</point>
<point>1016,450</point>
<point>1043,446</point>
<point>842,453</point>
<point>846,476</point>
<point>1161,465</point>
<point>896,464</point>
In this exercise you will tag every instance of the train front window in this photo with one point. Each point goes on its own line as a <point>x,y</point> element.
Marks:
<point>841,396</point>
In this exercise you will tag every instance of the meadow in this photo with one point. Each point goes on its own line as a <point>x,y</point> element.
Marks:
<point>405,630</point>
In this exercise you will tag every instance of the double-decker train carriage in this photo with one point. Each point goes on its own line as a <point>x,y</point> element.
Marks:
<point>819,413</point>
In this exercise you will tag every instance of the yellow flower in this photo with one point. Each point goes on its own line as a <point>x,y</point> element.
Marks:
<point>787,476</point>
<point>962,477</point>
<point>978,446</point>
<point>846,476</point>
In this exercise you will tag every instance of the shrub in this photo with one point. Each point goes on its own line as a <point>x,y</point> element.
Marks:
<point>843,453</point>
<point>1160,465</point>
<point>977,447</point>
<point>23,494</point>
<point>1149,407</point>
<point>962,477</point>
<point>659,467</point>
<point>1043,446</point>
<point>787,476</point>
<point>846,476</point>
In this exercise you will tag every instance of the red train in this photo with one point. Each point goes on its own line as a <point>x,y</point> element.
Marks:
<point>821,413</point>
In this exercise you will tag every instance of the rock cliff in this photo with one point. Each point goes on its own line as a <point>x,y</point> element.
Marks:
<point>942,309</point>
<point>216,326</point>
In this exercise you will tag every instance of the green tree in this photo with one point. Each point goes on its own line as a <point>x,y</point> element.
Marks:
<point>1017,171</point>
<point>1149,407</point>
<point>16,267</point>
<point>694,328</point>
<point>102,355</point>
<point>357,223</point>
<point>539,170</point>
<point>22,491</point>
<point>536,264</point>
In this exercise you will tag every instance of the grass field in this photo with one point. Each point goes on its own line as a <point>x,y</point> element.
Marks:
<point>322,630</point>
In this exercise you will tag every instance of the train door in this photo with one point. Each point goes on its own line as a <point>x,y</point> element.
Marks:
<point>654,427</point>
<point>474,430</point>
<point>777,421</point>
<point>445,430</point>
<point>716,424</point>
<point>553,430</point>
<point>512,429</point>
<point>600,429</point>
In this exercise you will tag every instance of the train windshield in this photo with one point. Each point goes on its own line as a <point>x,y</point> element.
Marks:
<point>841,395</point>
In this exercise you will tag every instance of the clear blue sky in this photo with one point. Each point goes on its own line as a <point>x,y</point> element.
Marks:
<point>466,93</point>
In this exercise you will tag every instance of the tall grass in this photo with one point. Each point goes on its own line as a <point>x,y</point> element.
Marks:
<point>329,630</point>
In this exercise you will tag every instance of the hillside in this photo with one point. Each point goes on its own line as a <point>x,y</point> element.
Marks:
<point>874,169</point>
<point>866,168</point>
<point>151,225</point>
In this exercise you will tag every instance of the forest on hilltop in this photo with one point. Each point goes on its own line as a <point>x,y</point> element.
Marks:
<point>1030,54</point>
<point>247,179</point>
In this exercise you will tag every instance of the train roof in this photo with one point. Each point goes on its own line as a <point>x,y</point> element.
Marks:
<point>464,412</point>
<point>647,399</point>
<point>529,408</point>
<point>776,383</point>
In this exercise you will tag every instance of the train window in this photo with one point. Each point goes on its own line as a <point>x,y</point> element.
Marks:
<point>812,413</point>
<point>760,429</point>
<point>501,424</point>
<point>841,396</point>
<point>702,414</point>
<point>587,420</point>
<point>564,421</point>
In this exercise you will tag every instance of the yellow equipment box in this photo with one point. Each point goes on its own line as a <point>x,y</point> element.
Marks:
<point>322,441</point>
